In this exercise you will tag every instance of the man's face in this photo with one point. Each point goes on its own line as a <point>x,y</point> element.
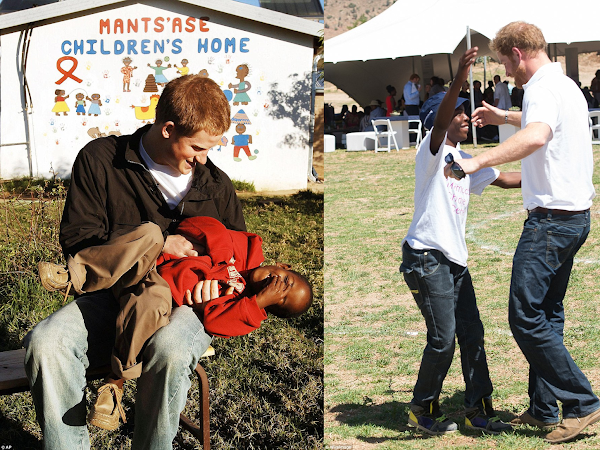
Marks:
<point>514,68</point>
<point>184,152</point>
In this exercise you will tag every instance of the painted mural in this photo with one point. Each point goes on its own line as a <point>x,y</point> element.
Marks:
<point>104,110</point>
<point>103,73</point>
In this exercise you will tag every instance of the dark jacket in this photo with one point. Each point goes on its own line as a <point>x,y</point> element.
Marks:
<point>112,192</point>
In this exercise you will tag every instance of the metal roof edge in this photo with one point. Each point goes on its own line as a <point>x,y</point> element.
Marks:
<point>249,12</point>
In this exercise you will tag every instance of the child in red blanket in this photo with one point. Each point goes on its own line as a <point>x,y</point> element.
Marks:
<point>227,271</point>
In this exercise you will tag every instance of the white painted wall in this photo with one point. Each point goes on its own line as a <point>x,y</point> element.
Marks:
<point>280,62</point>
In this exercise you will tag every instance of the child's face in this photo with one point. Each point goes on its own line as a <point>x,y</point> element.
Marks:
<point>240,128</point>
<point>295,302</point>
<point>459,127</point>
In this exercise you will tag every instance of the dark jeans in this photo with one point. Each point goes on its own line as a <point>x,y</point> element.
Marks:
<point>444,292</point>
<point>540,275</point>
<point>412,110</point>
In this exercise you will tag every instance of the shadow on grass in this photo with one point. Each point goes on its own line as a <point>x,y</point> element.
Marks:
<point>13,432</point>
<point>393,416</point>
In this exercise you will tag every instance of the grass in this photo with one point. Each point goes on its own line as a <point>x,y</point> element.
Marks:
<point>266,389</point>
<point>375,334</point>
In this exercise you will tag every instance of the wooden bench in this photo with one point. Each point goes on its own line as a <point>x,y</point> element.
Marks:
<point>13,379</point>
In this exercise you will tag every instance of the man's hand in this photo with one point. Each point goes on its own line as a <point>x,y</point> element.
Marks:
<point>180,246</point>
<point>274,291</point>
<point>204,292</point>
<point>487,115</point>
<point>467,165</point>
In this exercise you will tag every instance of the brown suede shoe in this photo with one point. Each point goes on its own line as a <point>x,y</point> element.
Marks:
<point>571,427</point>
<point>54,277</point>
<point>528,419</point>
<point>107,409</point>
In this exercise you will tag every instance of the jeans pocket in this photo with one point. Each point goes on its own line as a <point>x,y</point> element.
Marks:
<point>412,281</point>
<point>559,247</point>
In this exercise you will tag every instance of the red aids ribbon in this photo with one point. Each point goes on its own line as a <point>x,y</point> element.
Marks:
<point>69,73</point>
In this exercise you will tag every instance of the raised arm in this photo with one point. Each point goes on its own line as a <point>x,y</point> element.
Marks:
<point>446,110</point>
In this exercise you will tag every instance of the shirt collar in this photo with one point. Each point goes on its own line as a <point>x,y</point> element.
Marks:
<point>546,69</point>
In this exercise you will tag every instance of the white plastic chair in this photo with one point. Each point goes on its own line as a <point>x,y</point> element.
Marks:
<point>417,131</point>
<point>594,127</point>
<point>389,134</point>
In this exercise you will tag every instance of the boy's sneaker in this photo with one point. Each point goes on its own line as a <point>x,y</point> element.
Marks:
<point>432,422</point>
<point>54,277</point>
<point>483,418</point>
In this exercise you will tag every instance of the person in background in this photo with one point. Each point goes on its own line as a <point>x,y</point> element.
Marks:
<point>411,93</point>
<point>595,88</point>
<point>477,94</point>
<point>390,101</point>
<point>365,121</point>
<point>516,97</point>
<point>488,94</point>
<point>501,95</point>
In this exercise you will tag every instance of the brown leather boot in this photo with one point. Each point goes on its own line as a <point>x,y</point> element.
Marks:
<point>528,419</point>
<point>571,427</point>
<point>55,278</point>
<point>107,409</point>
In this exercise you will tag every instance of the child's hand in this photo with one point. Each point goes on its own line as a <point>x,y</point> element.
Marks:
<point>465,62</point>
<point>204,292</point>
<point>274,291</point>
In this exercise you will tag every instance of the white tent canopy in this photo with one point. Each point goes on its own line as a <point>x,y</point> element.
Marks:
<point>402,40</point>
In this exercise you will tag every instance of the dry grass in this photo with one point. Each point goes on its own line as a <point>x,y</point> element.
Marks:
<point>375,334</point>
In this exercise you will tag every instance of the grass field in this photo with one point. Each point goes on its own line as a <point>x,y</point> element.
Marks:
<point>375,334</point>
<point>266,389</point>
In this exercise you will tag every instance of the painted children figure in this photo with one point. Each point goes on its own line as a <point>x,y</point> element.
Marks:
<point>95,105</point>
<point>241,89</point>
<point>434,266</point>
<point>127,72</point>
<point>60,105</point>
<point>229,259</point>
<point>240,142</point>
<point>184,70</point>
<point>80,104</point>
<point>160,79</point>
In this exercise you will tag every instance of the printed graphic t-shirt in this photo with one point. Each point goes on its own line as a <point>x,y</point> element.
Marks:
<point>441,204</point>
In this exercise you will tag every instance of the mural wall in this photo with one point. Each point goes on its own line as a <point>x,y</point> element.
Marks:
<point>103,73</point>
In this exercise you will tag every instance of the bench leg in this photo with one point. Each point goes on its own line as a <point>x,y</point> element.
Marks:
<point>202,432</point>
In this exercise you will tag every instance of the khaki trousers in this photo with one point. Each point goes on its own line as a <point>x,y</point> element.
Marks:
<point>126,266</point>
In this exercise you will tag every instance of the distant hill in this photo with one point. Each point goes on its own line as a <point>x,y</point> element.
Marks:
<point>342,15</point>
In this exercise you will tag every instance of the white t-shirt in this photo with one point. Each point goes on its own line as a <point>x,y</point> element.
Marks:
<point>172,183</point>
<point>558,175</point>
<point>441,204</point>
<point>501,93</point>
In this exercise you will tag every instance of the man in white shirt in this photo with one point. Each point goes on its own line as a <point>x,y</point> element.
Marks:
<point>501,95</point>
<point>434,266</point>
<point>556,162</point>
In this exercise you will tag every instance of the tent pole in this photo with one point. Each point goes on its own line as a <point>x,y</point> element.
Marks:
<point>450,67</point>
<point>471,93</point>
<point>484,71</point>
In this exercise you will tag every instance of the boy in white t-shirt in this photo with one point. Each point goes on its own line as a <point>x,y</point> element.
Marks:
<point>434,265</point>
